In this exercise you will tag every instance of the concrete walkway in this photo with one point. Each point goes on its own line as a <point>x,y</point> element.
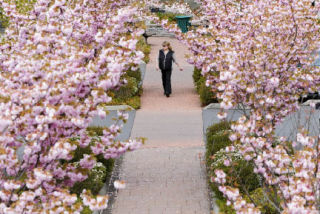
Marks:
<point>167,175</point>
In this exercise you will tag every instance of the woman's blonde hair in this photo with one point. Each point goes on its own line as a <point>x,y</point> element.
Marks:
<point>165,43</point>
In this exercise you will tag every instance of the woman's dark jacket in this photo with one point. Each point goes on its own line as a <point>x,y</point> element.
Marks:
<point>165,61</point>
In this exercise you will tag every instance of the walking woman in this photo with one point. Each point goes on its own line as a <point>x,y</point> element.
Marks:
<point>165,59</point>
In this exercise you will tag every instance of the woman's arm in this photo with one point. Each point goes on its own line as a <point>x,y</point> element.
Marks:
<point>157,65</point>
<point>175,61</point>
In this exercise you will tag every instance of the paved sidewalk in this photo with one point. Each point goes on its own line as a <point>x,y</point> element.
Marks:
<point>167,175</point>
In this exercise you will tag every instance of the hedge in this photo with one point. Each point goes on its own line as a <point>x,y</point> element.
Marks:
<point>128,90</point>
<point>134,102</point>
<point>217,139</point>
<point>94,182</point>
<point>145,48</point>
<point>264,205</point>
<point>206,94</point>
<point>130,93</point>
<point>240,172</point>
<point>86,210</point>
<point>134,74</point>
<point>99,174</point>
<point>196,74</point>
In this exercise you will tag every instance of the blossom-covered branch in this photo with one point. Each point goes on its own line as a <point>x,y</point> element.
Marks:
<point>259,54</point>
<point>57,66</point>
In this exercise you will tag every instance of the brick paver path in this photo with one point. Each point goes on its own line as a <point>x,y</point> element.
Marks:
<point>166,176</point>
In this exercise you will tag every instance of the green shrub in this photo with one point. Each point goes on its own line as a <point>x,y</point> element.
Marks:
<point>196,75</point>
<point>80,152</point>
<point>128,94</point>
<point>128,90</point>
<point>217,137</point>
<point>94,182</point>
<point>135,74</point>
<point>145,48</point>
<point>223,207</point>
<point>108,164</point>
<point>134,102</point>
<point>100,173</point>
<point>219,130</point>
<point>206,94</point>
<point>198,84</point>
<point>260,200</point>
<point>86,210</point>
<point>240,172</point>
<point>198,79</point>
<point>218,127</point>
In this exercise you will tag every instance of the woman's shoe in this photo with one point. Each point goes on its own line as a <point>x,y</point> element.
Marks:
<point>168,95</point>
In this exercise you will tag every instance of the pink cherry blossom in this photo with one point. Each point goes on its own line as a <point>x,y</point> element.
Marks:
<point>58,62</point>
<point>259,54</point>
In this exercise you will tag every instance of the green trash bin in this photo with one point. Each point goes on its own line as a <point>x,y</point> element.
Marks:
<point>183,22</point>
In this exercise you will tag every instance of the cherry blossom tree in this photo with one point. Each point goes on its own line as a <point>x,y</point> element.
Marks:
<point>258,55</point>
<point>58,62</point>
